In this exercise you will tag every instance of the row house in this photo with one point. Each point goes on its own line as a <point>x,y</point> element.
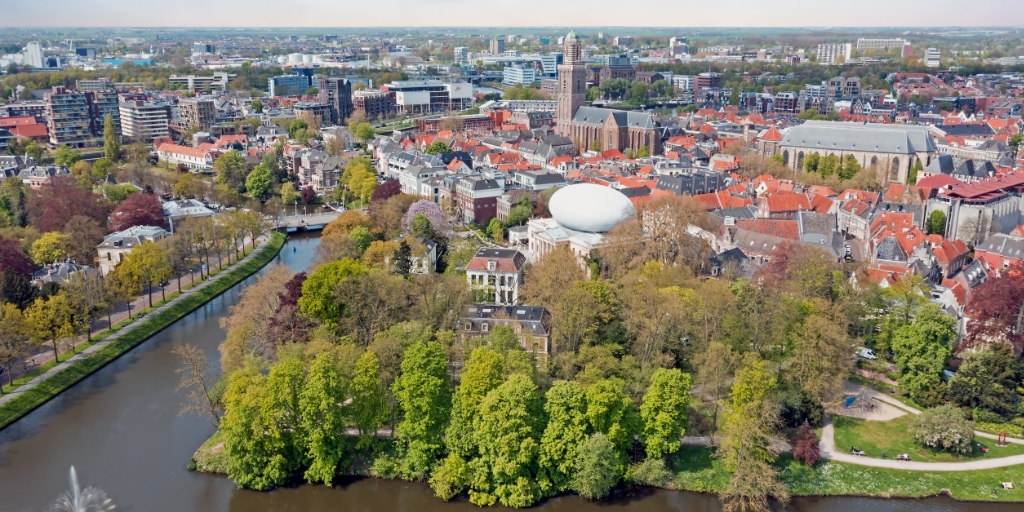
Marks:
<point>477,197</point>
<point>326,174</point>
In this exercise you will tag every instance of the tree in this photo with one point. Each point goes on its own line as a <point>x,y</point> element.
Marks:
<point>427,209</point>
<point>189,185</point>
<point>368,401</point>
<point>82,171</point>
<point>102,167</point>
<point>664,411</point>
<point>256,105</point>
<point>822,357</point>
<point>403,259</point>
<point>66,156</point>
<point>256,446</point>
<point>496,230</point>
<point>118,193</point>
<point>552,276</point>
<point>288,193</point>
<point>595,145</point>
<point>482,373</point>
<point>230,168</point>
<point>850,168</point>
<point>437,148</point>
<point>17,289</point>
<point>565,434</point>
<point>937,223</point>
<point>510,421</point>
<point>50,208</point>
<point>323,419</point>
<point>611,412</point>
<point>150,265</point>
<point>14,337</point>
<point>51,319</point>
<point>259,183</point>
<point>137,210</point>
<point>317,299</point>
<point>920,350</point>
<point>805,445</point>
<point>912,174</point>
<point>199,380</point>
<point>598,471</point>
<point>363,132</point>
<point>111,140</point>
<point>944,428</point>
<point>643,152</point>
<point>385,191</point>
<point>987,379</point>
<point>50,248</point>
<point>424,397</point>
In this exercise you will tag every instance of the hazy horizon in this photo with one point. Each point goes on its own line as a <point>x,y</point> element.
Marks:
<point>523,13</point>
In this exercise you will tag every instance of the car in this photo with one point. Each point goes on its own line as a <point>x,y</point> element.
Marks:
<point>866,353</point>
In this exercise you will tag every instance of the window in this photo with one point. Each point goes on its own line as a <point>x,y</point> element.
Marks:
<point>484,327</point>
<point>108,256</point>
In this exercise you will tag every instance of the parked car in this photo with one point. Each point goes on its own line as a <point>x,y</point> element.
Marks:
<point>866,353</point>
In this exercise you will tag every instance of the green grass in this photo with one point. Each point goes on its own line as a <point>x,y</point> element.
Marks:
<point>210,457</point>
<point>891,437</point>
<point>150,325</point>
<point>696,469</point>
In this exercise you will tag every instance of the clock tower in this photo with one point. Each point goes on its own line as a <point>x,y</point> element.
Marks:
<point>572,83</point>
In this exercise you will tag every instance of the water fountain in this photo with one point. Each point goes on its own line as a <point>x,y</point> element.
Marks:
<point>90,499</point>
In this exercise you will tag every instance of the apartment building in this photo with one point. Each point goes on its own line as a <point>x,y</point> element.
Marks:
<point>932,57</point>
<point>519,75</point>
<point>287,85</point>
<point>376,104</point>
<point>497,46</point>
<point>144,121</point>
<point>336,93</point>
<point>68,118</point>
<point>830,53</point>
<point>197,113</point>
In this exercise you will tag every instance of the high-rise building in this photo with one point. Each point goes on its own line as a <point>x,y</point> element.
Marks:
<point>287,85</point>
<point>704,81</point>
<point>101,105</point>
<point>34,54</point>
<point>67,117</point>
<point>336,93</point>
<point>461,55</point>
<point>519,75</point>
<point>144,121</point>
<point>830,53</point>
<point>374,103</point>
<point>497,46</point>
<point>572,86</point>
<point>201,48</point>
<point>881,44</point>
<point>197,113</point>
<point>932,57</point>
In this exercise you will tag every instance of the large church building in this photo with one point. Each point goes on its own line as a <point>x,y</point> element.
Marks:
<point>613,129</point>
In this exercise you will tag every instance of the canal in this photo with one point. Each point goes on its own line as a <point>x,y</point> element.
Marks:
<point>121,430</point>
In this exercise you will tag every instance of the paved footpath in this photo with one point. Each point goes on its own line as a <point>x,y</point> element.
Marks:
<point>11,395</point>
<point>829,451</point>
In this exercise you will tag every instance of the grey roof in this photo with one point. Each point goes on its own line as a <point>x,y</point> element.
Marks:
<point>943,164</point>
<point>598,116</point>
<point>917,210</point>
<point>743,212</point>
<point>889,249</point>
<point>1004,245</point>
<point>962,130</point>
<point>531,318</point>
<point>60,272</point>
<point>881,138</point>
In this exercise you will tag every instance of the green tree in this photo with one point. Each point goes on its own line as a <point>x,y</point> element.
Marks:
<point>51,319</point>
<point>102,167</point>
<point>317,300</point>
<point>987,380</point>
<point>50,248</point>
<point>34,150</point>
<point>362,237</point>
<point>14,337</point>
<point>150,264</point>
<point>565,434</point>
<point>509,423</point>
<point>664,411</point>
<point>66,156</point>
<point>811,162</point>
<point>937,223</point>
<point>912,174</point>
<point>638,93</point>
<point>363,132</point>
<point>597,471</point>
<point>611,412</point>
<point>944,428</point>
<point>810,114</point>
<point>437,148</point>
<point>496,230</point>
<point>482,373</point>
<point>920,350</point>
<point>259,183</point>
<point>288,193</point>
<point>424,397</point>
<point>323,419</point>
<point>111,141</point>
<point>368,401</point>
<point>230,168</point>
<point>850,168</point>
<point>595,145</point>
<point>256,105</point>
<point>643,152</point>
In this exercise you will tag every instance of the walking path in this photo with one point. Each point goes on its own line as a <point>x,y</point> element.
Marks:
<point>828,449</point>
<point>11,395</point>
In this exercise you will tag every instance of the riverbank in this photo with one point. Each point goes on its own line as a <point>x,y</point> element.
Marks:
<point>69,372</point>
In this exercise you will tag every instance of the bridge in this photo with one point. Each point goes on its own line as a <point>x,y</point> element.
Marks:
<point>308,222</point>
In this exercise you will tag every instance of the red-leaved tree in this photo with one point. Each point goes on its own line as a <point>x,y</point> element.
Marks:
<point>385,190</point>
<point>805,445</point>
<point>137,210</point>
<point>52,206</point>
<point>996,309</point>
<point>12,258</point>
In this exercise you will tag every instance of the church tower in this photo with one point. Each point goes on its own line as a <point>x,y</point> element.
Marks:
<point>572,83</point>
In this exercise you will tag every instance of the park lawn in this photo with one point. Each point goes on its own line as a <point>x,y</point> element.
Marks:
<point>696,469</point>
<point>891,437</point>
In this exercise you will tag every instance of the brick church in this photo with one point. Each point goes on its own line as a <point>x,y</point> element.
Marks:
<point>614,129</point>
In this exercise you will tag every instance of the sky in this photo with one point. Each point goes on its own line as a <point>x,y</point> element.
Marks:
<point>510,13</point>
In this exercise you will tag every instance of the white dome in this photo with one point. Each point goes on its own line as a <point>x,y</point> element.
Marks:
<point>591,208</point>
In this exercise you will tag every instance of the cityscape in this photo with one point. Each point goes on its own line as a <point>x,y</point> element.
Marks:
<point>250,263</point>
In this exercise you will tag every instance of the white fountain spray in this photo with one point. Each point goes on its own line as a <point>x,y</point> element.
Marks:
<point>90,499</point>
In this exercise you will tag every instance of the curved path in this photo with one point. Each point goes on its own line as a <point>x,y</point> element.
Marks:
<point>828,449</point>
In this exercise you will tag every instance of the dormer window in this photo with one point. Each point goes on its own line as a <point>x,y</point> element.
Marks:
<point>492,265</point>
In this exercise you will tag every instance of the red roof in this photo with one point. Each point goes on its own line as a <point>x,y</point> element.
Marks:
<point>772,135</point>
<point>789,229</point>
<point>184,150</point>
<point>28,130</point>
<point>787,202</point>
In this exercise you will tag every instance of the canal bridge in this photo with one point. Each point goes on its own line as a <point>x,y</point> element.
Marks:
<point>305,222</point>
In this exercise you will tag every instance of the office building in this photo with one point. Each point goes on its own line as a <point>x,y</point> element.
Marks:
<point>336,93</point>
<point>218,81</point>
<point>287,85</point>
<point>201,48</point>
<point>461,55</point>
<point>429,96</point>
<point>705,81</point>
<point>375,104</point>
<point>34,54</point>
<point>831,53</point>
<point>519,75</point>
<point>497,46</point>
<point>197,113</point>
<point>932,57</point>
<point>88,53</point>
<point>144,121</point>
<point>549,63</point>
<point>623,41</point>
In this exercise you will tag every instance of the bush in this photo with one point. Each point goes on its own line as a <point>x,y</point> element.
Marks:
<point>651,473</point>
<point>798,408</point>
<point>805,445</point>
<point>598,468</point>
<point>944,428</point>
<point>932,396</point>
<point>986,416</point>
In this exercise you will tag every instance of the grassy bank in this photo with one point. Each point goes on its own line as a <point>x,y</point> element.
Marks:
<point>147,327</point>
<point>891,437</point>
<point>696,469</point>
